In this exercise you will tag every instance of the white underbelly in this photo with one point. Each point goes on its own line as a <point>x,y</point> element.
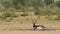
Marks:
<point>40,28</point>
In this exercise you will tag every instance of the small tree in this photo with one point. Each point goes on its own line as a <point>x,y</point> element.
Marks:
<point>48,2</point>
<point>6,3</point>
<point>58,4</point>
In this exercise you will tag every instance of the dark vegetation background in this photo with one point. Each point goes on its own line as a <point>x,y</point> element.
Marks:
<point>39,7</point>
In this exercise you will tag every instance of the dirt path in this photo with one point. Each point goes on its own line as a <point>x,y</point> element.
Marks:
<point>30,32</point>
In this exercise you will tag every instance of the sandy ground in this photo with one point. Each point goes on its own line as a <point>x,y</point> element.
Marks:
<point>30,32</point>
<point>22,23</point>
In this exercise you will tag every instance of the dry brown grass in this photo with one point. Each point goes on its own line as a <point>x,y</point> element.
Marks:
<point>26,23</point>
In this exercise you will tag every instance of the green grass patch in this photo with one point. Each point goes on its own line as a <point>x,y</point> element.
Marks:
<point>8,14</point>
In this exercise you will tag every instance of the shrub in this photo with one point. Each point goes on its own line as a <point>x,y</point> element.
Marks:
<point>57,18</point>
<point>40,12</point>
<point>48,12</point>
<point>24,14</point>
<point>44,12</point>
<point>8,14</point>
<point>37,13</point>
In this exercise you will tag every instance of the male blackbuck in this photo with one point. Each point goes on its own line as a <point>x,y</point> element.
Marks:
<point>38,27</point>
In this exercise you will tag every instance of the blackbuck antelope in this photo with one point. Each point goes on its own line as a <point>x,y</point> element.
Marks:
<point>38,27</point>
